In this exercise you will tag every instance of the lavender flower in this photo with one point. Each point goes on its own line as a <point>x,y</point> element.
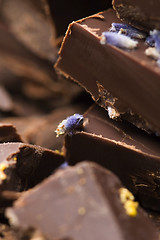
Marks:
<point>154,42</point>
<point>118,40</point>
<point>117,26</point>
<point>153,53</point>
<point>150,41</point>
<point>127,30</point>
<point>64,165</point>
<point>154,39</point>
<point>69,125</point>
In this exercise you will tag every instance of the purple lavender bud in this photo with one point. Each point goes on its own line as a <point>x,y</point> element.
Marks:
<point>154,39</point>
<point>117,26</point>
<point>150,41</point>
<point>127,30</point>
<point>157,43</point>
<point>70,124</point>
<point>73,122</point>
<point>118,40</point>
<point>64,165</point>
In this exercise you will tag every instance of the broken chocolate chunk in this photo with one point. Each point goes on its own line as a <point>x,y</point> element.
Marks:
<point>138,13</point>
<point>31,24</point>
<point>85,201</point>
<point>132,154</point>
<point>126,81</point>
<point>22,166</point>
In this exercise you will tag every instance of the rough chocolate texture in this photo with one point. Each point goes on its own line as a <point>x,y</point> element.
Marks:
<point>142,14</point>
<point>25,166</point>
<point>130,153</point>
<point>83,201</point>
<point>80,202</point>
<point>130,77</point>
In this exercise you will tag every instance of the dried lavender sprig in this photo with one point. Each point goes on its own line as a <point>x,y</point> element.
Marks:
<point>70,125</point>
<point>127,30</point>
<point>153,53</point>
<point>64,165</point>
<point>150,41</point>
<point>154,42</point>
<point>118,40</point>
<point>117,26</point>
<point>154,39</point>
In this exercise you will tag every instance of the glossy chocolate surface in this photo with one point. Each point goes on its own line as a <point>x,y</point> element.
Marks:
<point>80,202</point>
<point>132,154</point>
<point>130,77</point>
<point>22,166</point>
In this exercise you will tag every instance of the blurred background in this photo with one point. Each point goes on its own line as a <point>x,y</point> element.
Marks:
<point>33,96</point>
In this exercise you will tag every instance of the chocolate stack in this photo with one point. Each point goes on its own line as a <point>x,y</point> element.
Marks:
<point>101,178</point>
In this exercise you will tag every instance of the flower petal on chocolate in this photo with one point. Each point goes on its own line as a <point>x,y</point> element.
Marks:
<point>118,40</point>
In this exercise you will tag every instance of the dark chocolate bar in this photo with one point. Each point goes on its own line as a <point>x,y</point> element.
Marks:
<point>82,202</point>
<point>142,14</point>
<point>132,154</point>
<point>22,166</point>
<point>128,81</point>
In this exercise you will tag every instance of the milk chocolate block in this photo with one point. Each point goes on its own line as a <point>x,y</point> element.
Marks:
<point>82,202</point>
<point>142,14</point>
<point>132,154</point>
<point>126,80</point>
<point>22,166</point>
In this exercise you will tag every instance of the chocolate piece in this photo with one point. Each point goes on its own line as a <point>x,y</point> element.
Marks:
<point>31,24</point>
<point>30,68</point>
<point>25,65</point>
<point>22,166</point>
<point>133,155</point>
<point>138,13</point>
<point>85,201</point>
<point>126,81</point>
